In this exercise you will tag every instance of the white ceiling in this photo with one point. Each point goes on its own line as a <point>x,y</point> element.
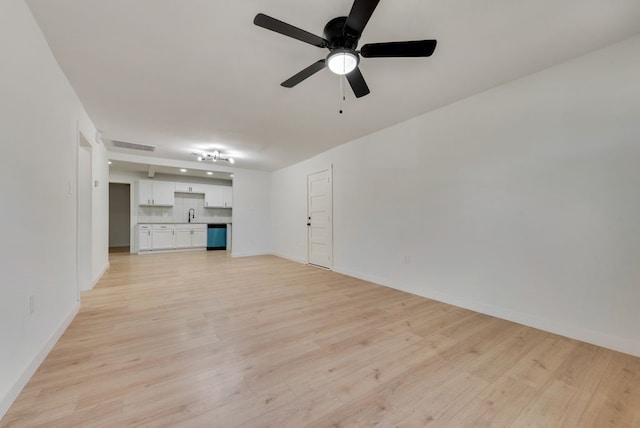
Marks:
<point>197,74</point>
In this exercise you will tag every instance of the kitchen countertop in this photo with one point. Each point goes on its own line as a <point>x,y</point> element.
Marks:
<point>184,222</point>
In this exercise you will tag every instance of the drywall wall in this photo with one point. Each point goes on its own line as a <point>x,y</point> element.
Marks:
<point>40,122</point>
<point>251,213</point>
<point>521,202</point>
<point>119,214</point>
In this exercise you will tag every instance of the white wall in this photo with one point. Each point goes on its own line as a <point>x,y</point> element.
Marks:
<point>251,213</point>
<point>521,202</point>
<point>40,116</point>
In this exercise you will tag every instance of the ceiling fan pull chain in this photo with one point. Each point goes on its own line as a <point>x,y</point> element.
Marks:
<point>342,97</point>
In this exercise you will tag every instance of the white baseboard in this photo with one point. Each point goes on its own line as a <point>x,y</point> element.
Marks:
<point>173,250</point>
<point>15,390</point>
<point>585,335</point>
<point>288,257</point>
<point>249,253</point>
<point>99,276</point>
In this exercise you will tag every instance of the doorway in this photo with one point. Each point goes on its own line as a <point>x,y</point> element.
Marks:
<point>320,218</point>
<point>119,217</point>
<point>83,215</point>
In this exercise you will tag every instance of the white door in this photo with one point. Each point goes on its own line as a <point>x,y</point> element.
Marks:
<point>319,220</point>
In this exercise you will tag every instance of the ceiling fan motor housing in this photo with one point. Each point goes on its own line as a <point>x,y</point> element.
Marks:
<point>334,33</point>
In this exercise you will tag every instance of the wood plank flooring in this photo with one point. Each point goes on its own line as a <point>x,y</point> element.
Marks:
<point>204,340</point>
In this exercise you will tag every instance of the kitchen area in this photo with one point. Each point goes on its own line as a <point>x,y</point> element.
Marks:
<point>171,212</point>
<point>179,216</point>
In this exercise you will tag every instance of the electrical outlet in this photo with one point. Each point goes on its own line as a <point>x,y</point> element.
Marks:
<point>32,307</point>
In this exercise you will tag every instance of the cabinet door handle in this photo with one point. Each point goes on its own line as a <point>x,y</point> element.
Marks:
<point>149,233</point>
<point>153,202</point>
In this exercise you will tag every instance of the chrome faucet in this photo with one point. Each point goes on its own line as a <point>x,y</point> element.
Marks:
<point>191,215</point>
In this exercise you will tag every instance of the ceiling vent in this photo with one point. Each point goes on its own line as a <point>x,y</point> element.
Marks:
<point>133,146</point>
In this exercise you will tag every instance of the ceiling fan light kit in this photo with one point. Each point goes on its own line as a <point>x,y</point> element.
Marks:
<point>341,36</point>
<point>213,157</point>
<point>342,61</point>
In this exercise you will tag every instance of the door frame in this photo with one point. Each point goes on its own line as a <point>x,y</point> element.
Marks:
<point>133,220</point>
<point>308,217</point>
<point>84,253</point>
<point>131,228</point>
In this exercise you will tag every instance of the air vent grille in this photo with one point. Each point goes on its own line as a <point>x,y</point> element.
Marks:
<point>133,146</point>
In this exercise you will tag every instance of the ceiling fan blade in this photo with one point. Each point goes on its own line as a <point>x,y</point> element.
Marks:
<point>356,80</point>
<point>360,13</point>
<point>304,74</point>
<point>264,21</point>
<point>415,48</point>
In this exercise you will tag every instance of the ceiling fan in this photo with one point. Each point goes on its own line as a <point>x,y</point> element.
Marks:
<point>341,37</point>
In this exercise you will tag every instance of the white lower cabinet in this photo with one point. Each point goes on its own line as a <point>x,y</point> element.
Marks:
<point>153,237</point>
<point>199,238</point>
<point>163,237</point>
<point>144,237</point>
<point>191,235</point>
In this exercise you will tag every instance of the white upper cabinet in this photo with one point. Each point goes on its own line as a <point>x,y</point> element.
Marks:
<point>156,193</point>
<point>162,193</point>
<point>145,192</point>
<point>189,188</point>
<point>213,197</point>
<point>227,197</point>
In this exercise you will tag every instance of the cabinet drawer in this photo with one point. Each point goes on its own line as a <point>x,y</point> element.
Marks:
<point>191,226</point>
<point>163,227</point>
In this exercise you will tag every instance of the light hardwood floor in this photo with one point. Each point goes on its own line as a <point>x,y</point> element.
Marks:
<point>204,340</point>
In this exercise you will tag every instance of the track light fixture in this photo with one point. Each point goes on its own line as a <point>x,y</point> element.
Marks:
<point>214,157</point>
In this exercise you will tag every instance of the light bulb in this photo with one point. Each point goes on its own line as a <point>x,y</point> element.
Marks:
<point>231,161</point>
<point>342,61</point>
